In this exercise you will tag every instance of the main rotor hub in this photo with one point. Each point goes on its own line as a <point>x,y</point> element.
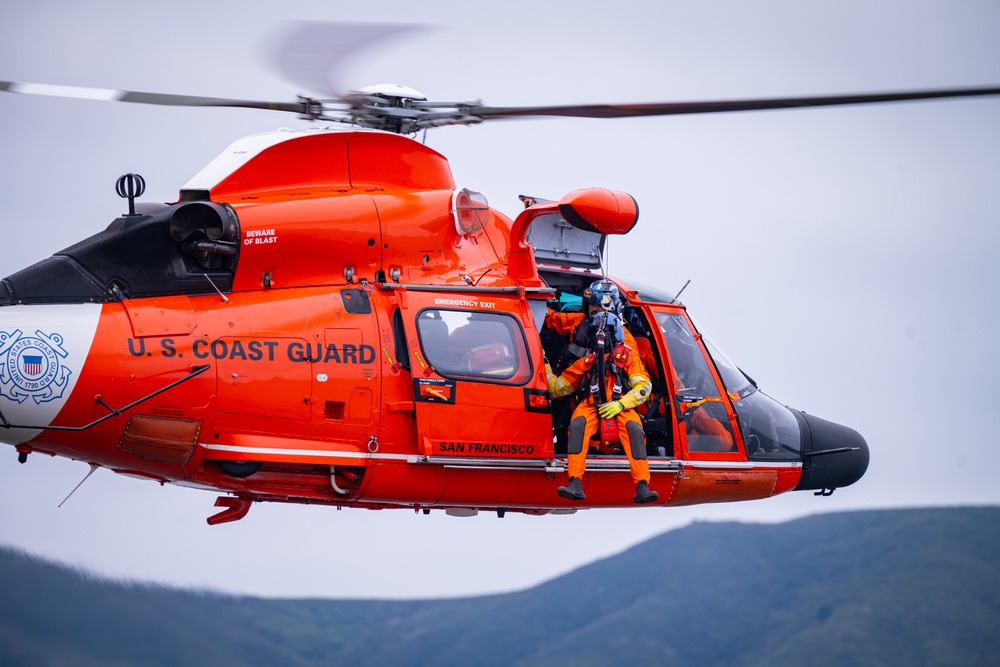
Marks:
<point>394,92</point>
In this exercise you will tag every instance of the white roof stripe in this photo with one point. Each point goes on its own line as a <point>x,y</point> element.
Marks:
<point>243,150</point>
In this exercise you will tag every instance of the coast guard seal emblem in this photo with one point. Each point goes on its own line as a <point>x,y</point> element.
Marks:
<point>31,367</point>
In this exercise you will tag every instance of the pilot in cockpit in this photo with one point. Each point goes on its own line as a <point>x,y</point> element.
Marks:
<point>699,401</point>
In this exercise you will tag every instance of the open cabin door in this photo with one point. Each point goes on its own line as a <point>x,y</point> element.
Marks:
<point>478,383</point>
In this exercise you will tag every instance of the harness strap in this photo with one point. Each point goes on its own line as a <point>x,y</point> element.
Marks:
<point>592,386</point>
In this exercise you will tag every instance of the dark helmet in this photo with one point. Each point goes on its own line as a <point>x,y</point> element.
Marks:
<point>603,295</point>
<point>608,324</point>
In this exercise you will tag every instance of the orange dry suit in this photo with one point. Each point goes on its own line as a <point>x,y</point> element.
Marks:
<point>624,370</point>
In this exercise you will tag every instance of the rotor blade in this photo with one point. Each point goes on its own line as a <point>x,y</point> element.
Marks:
<point>110,95</point>
<point>311,51</point>
<point>682,108</point>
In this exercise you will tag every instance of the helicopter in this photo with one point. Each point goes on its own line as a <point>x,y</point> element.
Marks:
<point>298,327</point>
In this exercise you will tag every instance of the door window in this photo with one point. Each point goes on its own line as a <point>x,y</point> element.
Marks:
<point>699,402</point>
<point>474,345</point>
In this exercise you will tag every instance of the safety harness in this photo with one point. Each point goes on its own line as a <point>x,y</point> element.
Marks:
<point>598,366</point>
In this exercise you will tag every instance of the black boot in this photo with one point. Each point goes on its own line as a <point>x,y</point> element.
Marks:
<point>573,491</point>
<point>643,495</point>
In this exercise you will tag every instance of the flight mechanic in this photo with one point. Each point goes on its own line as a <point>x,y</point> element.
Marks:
<point>621,367</point>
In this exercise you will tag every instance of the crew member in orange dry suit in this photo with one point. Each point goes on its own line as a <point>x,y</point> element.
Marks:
<point>622,368</point>
<point>574,325</point>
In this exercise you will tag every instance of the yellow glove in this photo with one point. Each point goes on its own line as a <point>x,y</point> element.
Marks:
<point>558,388</point>
<point>609,410</point>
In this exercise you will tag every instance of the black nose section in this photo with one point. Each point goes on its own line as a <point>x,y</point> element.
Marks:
<point>834,455</point>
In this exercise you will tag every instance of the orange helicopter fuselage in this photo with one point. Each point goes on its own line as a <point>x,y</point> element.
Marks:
<point>316,320</point>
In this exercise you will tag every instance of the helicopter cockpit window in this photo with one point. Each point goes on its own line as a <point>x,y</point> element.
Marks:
<point>699,404</point>
<point>770,430</point>
<point>474,345</point>
<point>648,293</point>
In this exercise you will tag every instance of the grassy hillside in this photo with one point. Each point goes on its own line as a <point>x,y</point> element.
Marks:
<point>903,587</point>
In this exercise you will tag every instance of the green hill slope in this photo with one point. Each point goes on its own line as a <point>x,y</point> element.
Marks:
<point>902,587</point>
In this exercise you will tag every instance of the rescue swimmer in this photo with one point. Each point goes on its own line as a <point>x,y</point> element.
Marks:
<point>575,326</point>
<point>608,367</point>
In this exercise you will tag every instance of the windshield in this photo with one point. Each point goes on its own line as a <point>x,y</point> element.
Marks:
<point>770,430</point>
<point>650,293</point>
<point>736,382</point>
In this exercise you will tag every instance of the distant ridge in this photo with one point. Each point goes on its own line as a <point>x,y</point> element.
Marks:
<point>894,587</point>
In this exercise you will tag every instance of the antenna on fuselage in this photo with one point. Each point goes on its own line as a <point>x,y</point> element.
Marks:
<point>225,299</point>
<point>129,187</point>
<point>678,295</point>
<point>93,467</point>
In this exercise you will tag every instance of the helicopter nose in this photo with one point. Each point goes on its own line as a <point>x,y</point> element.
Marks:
<point>835,455</point>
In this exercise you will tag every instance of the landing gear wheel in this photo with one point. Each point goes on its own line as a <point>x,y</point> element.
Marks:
<point>239,469</point>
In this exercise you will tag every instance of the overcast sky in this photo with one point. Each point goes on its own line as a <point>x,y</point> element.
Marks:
<point>844,258</point>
